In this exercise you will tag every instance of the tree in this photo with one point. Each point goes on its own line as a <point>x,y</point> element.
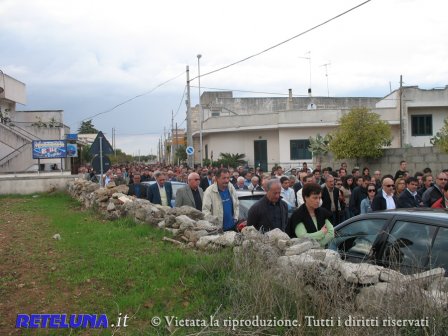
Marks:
<point>87,128</point>
<point>85,155</point>
<point>319,146</point>
<point>361,134</point>
<point>440,140</point>
<point>231,160</point>
<point>120,157</point>
<point>180,154</point>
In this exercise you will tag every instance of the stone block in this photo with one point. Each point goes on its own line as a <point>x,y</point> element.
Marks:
<point>276,235</point>
<point>299,248</point>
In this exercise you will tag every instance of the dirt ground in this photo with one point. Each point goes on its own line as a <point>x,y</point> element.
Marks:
<point>28,257</point>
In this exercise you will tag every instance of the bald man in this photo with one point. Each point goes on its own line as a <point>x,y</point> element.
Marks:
<point>191,194</point>
<point>385,199</point>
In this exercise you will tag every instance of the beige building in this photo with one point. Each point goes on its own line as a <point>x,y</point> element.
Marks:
<point>275,130</point>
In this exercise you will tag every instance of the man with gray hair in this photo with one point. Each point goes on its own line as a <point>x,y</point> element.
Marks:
<point>191,194</point>
<point>254,185</point>
<point>160,192</point>
<point>240,184</point>
<point>270,212</point>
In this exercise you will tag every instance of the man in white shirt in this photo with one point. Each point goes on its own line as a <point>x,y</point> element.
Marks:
<point>287,193</point>
<point>306,179</point>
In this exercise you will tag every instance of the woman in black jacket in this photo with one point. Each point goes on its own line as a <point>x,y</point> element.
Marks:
<point>310,220</point>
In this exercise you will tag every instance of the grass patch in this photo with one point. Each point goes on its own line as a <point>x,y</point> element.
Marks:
<point>120,267</point>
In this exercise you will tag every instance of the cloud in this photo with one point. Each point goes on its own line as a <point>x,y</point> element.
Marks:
<point>87,56</point>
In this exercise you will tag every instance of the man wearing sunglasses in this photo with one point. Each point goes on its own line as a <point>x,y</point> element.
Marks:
<point>385,198</point>
<point>432,194</point>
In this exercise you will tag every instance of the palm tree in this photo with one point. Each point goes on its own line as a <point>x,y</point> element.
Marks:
<point>319,146</point>
<point>231,160</point>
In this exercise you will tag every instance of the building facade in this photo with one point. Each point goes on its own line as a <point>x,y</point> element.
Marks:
<point>19,128</point>
<point>274,130</point>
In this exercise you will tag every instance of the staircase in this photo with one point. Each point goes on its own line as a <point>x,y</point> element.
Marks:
<point>20,157</point>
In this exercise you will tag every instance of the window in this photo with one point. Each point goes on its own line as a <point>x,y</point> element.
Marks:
<point>421,125</point>
<point>439,257</point>
<point>408,246</point>
<point>355,240</point>
<point>299,150</point>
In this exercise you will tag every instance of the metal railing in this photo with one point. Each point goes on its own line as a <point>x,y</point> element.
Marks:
<point>20,131</point>
<point>13,154</point>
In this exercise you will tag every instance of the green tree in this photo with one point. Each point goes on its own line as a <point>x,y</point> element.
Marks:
<point>231,160</point>
<point>361,134</point>
<point>87,128</point>
<point>440,140</point>
<point>180,154</point>
<point>85,155</point>
<point>319,146</point>
<point>119,157</point>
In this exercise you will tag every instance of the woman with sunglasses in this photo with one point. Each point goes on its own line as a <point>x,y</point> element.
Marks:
<point>366,203</point>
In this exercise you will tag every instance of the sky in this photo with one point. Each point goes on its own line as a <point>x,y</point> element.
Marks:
<point>86,57</point>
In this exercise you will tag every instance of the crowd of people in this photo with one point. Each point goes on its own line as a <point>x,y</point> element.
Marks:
<point>322,197</point>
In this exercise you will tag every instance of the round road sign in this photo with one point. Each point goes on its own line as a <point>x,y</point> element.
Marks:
<point>189,150</point>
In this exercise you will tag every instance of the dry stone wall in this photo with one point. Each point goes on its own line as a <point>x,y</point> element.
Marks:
<point>191,229</point>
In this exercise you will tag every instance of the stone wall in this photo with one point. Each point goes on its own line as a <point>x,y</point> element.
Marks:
<point>189,228</point>
<point>417,159</point>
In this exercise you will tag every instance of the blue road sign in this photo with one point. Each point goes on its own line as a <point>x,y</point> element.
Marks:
<point>189,150</point>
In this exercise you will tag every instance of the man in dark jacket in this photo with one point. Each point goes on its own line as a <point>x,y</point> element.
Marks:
<point>270,212</point>
<point>160,192</point>
<point>433,193</point>
<point>330,199</point>
<point>207,180</point>
<point>358,194</point>
<point>137,189</point>
<point>385,198</point>
<point>409,197</point>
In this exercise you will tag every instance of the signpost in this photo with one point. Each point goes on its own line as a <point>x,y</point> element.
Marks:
<point>100,147</point>
<point>189,150</point>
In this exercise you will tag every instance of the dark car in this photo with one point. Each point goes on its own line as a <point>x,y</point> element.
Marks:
<point>407,240</point>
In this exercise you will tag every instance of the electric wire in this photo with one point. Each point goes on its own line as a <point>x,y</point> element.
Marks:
<point>285,41</point>
<point>138,96</point>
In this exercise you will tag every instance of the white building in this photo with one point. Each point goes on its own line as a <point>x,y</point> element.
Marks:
<point>19,128</point>
<point>275,130</point>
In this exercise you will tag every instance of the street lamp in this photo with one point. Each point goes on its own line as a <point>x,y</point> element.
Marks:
<point>200,110</point>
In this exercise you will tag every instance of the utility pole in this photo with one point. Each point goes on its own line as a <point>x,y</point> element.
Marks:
<point>113,143</point>
<point>201,116</point>
<point>177,141</point>
<point>172,137</point>
<point>189,130</point>
<point>401,111</point>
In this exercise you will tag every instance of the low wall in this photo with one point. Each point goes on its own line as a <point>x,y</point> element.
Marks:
<point>24,185</point>
<point>417,159</point>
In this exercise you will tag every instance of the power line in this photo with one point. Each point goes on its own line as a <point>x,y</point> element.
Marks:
<point>181,101</point>
<point>283,42</point>
<point>131,99</point>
